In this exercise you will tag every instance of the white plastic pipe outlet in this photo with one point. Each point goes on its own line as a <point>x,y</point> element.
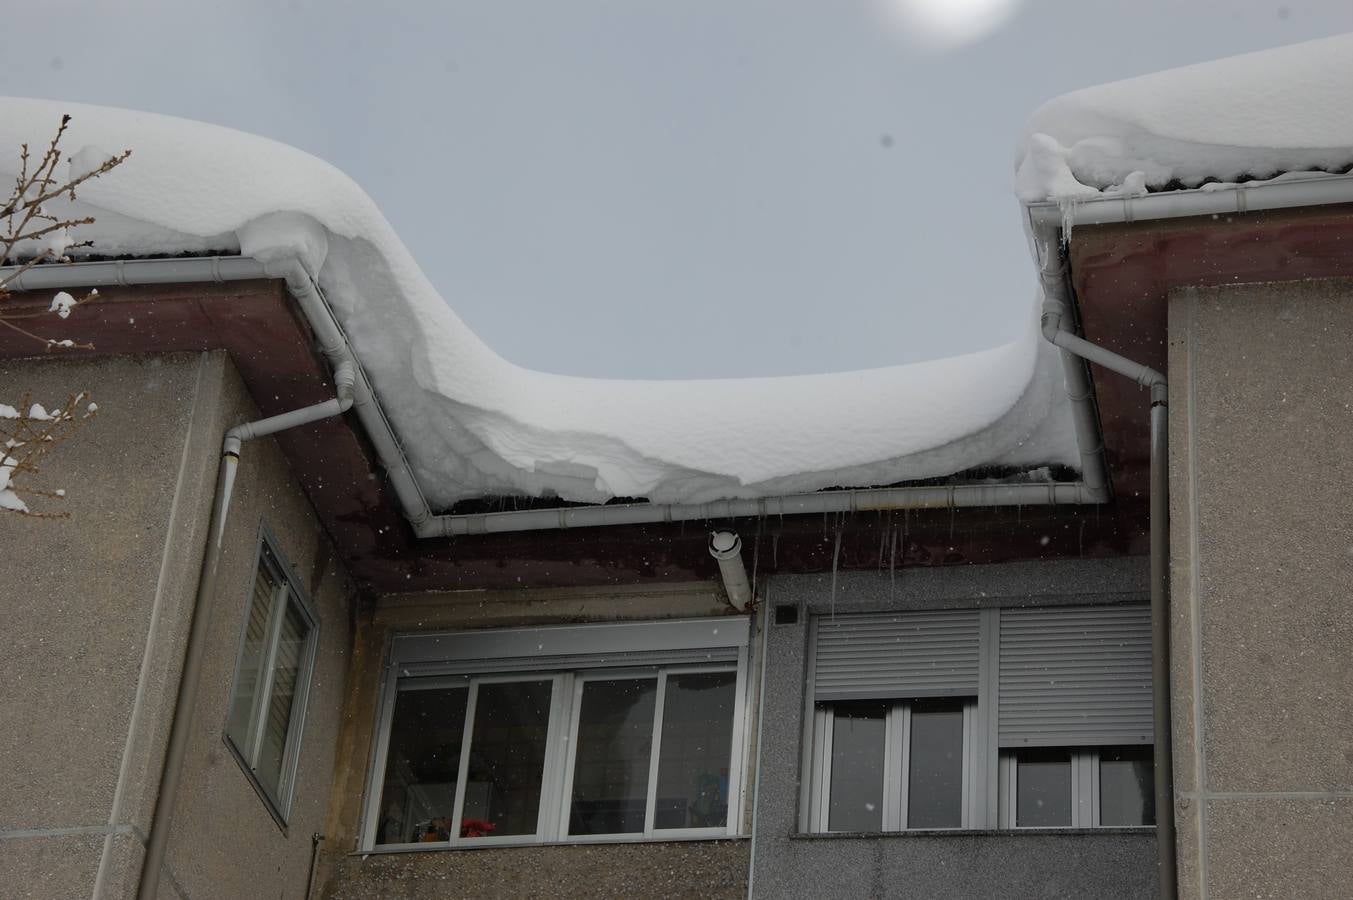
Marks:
<point>726,548</point>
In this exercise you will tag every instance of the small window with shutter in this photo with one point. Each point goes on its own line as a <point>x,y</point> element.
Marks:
<point>272,675</point>
<point>1021,717</point>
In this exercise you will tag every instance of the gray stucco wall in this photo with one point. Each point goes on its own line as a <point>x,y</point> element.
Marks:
<point>97,618</point>
<point>96,615</point>
<point>1261,382</point>
<point>225,842</point>
<point>1102,864</point>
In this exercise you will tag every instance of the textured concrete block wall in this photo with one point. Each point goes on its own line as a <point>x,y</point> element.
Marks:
<point>1104,865</point>
<point>96,613</point>
<point>1261,454</point>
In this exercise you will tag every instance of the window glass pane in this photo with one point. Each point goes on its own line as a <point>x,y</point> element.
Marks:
<point>697,740</point>
<point>423,762</point>
<point>286,666</point>
<point>856,802</point>
<point>251,661</point>
<point>613,750</point>
<point>1043,788</point>
<point>935,782</point>
<point>1126,789</point>
<point>507,759</point>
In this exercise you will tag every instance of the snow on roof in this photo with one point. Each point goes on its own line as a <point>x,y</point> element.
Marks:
<point>1248,117</point>
<point>473,423</point>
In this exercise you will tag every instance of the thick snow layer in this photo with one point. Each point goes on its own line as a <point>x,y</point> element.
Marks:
<point>1244,118</point>
<point>473,423</point>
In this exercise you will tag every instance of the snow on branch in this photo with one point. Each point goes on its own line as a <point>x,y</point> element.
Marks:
<point>29,221</point>
<point>28,432</point>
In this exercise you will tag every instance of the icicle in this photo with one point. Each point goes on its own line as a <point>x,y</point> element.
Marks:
<point>892,563</point>
<point>756,555</point>
<point>836,559</point>
<point>1067,205</point>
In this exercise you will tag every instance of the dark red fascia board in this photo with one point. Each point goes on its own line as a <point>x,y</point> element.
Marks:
<point>1123,275</point>
<point>272,347</point>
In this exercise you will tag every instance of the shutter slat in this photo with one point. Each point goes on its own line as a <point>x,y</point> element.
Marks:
<point>1075,676</point>
<point>896,655</point>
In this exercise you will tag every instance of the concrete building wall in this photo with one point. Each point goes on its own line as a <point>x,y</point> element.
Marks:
<point>225,842</point>
<point>96,612</point>
<point>1261,420</point>
<point>98,609</point>
<point>1105,863</point>
<point>705,868</point>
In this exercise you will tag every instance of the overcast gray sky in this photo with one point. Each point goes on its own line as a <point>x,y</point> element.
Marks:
<point>685,188</point>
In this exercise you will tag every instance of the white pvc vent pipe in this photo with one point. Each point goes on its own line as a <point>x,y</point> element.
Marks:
<point>726,548</point>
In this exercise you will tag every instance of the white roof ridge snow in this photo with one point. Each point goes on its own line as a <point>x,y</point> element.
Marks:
<point>1248,117</point>
<point>473,423</point>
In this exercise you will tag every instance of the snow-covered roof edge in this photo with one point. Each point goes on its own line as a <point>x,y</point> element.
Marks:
<point>1248,117</point>
<point>473,423</point>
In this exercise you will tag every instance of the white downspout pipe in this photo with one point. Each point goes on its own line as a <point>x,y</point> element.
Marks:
<point>193,653</point>
<point>1056,306</point>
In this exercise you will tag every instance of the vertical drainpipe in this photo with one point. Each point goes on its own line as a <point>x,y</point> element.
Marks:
<point>171,774</point>
<point>1055,307</point>
<point>1160,636</point>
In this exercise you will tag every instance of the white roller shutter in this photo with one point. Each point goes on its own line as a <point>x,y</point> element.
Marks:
<point>878,656</point>
<point>1075,676</point>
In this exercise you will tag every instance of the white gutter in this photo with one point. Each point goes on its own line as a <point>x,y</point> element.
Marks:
<point>1307,189</point>
<point>844,501</point>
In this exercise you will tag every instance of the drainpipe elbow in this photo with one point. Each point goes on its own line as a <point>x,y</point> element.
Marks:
<point>345,381</point>
<point>1051,319</point>
<point>1160,390</point>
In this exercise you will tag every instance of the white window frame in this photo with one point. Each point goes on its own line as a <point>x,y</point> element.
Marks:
<point>286,593</point>
<point>1085,800</point>
<point>896,766</point>
<point>988,769</point>
<point>469,655</point>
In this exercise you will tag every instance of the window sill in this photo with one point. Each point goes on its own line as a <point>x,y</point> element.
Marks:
<point>972,832</point>
<point>517,845</point>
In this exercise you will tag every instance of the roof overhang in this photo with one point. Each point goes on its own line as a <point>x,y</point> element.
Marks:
<point>259,325</point>
<point>1123,273</point>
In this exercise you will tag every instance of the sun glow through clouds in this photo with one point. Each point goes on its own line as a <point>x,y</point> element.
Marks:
<point>950,24</point>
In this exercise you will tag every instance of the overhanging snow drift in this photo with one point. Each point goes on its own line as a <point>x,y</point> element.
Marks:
<point>1248,117</point>
<point>473,423</point>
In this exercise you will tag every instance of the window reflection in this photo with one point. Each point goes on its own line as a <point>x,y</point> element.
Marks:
<point>1043,789</point>
<point>697,741</point>
<point>856,802</point>
<point>507,759</point>
<point>423,762</point>
<point>610,775</point>
<point>935,782</point>
<point>1126,790</point>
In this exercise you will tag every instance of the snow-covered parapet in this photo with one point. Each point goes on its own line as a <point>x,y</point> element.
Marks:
<point>1243,118</point>
<point>473,423</point>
